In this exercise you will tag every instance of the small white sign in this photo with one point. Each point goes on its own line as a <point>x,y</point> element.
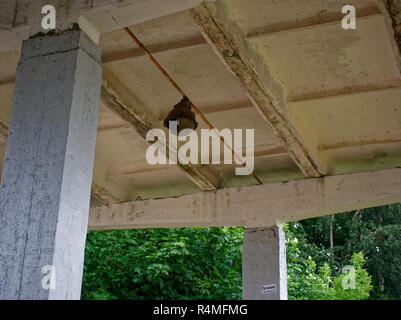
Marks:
<point>270,288</point>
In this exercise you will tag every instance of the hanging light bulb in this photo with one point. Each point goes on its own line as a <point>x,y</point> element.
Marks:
<point>182,115</point>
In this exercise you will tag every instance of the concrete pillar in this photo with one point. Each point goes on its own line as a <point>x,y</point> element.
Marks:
<point>264,268</point>
<point>47,173</point>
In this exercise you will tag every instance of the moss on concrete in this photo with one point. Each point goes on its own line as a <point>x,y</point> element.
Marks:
<point>394,9</point>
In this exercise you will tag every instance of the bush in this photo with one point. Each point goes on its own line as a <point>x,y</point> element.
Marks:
<point>307,282</point>
<point>198,263</point>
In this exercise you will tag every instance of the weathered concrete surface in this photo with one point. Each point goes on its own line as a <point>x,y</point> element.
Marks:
<point>394,9</point>
<point>264,266</point>
<point>21,18</point>
<point>47,174</point>
<point>307,55</point>
<point>256,206</point>
<point>338,89</point>
<point>263,100</point>
<point>200,176</point>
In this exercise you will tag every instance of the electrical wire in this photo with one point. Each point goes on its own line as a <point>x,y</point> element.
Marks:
<point>178,88</point>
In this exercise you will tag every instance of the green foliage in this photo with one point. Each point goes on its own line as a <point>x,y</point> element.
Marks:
<point>199,263</point>
<point>376,232</point>
<point>303,281</point>
<point>205,263</point>
<point>306,281</point>
<point>362,285</point>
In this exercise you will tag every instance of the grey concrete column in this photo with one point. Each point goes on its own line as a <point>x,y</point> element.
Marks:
<point>47,173</point>
<point>264,267</point>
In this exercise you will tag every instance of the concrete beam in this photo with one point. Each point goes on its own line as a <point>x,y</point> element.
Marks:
<point>200,175</point>
<point>135,168</point>
<point>22,18</point>
<point>256,206</point>
<point>131,12</point>
<point>156,48</point>
<point>47,173</point>
<point>232,56</point>
<point>103,195</point>
<point>348,91</point>
<point>392,9</point>
<point>264,264</point>
<point>3,131</point>
<point>311,23</point>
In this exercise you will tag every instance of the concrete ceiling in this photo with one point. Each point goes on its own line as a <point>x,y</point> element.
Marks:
<point>339,91</point>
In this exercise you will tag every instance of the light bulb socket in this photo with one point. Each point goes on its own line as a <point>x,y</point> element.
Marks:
<point>182,110</point>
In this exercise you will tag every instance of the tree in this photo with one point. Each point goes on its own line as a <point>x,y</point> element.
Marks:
<point>355,283</point>
<point>306,281</point>
<point>198,263</point>
<point>205,263</point>
<point>375,231</point>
